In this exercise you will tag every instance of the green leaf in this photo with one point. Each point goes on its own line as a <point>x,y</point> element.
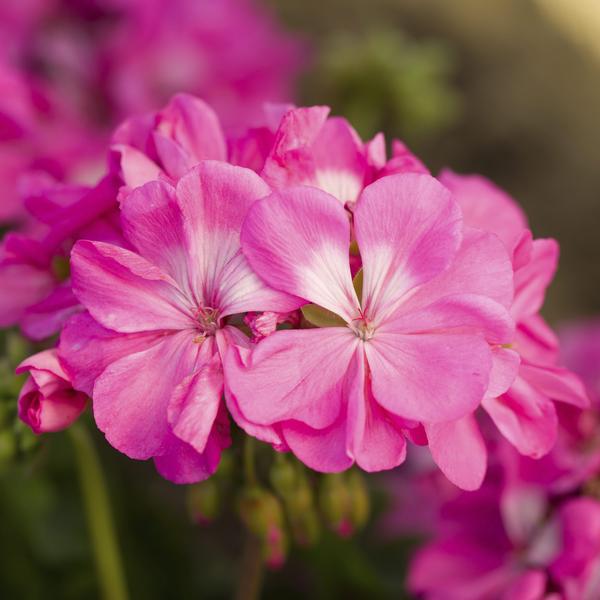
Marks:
<point>321,317</point>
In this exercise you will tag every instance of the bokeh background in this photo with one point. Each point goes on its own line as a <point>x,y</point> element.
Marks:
<point>506,88</point>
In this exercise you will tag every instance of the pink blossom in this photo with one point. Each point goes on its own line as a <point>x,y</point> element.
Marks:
<point>310,148</point>
<point>48,401</point>
<point>34,265</point>
<point>423,325</point>
<point>526,414</point>
<point>507,543</point>
<point>151,350</point>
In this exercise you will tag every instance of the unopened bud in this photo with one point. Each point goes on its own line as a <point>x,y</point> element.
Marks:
<point>291,484</point>
<point>361,504</point>
<point>203,501</point>
<point>344,502</point>
<point>262,514</point>
<point>335,504</point>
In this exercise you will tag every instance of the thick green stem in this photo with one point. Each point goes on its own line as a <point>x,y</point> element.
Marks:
<point>249,467</point>
<point>251,574</point>
<point>99,515</point>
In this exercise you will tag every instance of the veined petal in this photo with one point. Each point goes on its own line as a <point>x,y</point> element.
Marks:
<point>458,449</point>
<point>180,463</point>
<point>323,450</point>
<point>525,417</point>
<point>486,206</point>
<point>372,439</point>
<point>408,229</point>
<point>152,222</point>
<point>460,313</point>
<point>194,126</point>
<point>214,199</point>
<point>557,383</point>
<point>532,279</point>
<point>132,395</point>
<point>86,348</point>
<point>124,292</point>
<point>295,375</point>
<point>297,241</point>
<point>428,377</point>
<point>481,266</point>
<point>195,402</point>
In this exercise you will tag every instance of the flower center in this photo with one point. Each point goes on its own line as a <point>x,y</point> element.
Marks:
<point>362,328</point>
<point>208,320</point>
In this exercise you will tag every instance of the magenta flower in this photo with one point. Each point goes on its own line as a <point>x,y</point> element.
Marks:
<point>161,316</point>
<point>512,544</point>
<point>526,413</point>
<point>34,268</point>
<point>416,346</point>
<point>48,401</point>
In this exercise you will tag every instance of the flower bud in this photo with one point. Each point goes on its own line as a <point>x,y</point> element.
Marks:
<point>344,502</point>
<point>47,401</point>
<point>262,514</point>
<point>291,484</point>
<point>203,501</point>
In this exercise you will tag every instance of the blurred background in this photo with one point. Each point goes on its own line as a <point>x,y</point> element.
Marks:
<point>506,88</point>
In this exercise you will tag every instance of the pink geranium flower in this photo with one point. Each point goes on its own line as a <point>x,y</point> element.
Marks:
<point>310,148</point>
<point>48,401</point>
<point>414,348</point>
<point>159,313</point>
<point>507,543</point>
<point>526,413</point>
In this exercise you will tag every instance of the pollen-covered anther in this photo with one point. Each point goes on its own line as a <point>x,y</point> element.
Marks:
<point>208,320</point>
<point>362,328</point>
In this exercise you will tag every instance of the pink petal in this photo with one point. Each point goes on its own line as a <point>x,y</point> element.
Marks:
<point>458,449</point>
<point>298,242</point>
<point>22,285</point>
<point>232,339</point>
<point>372,439</point>
<point>485,206</point>
<point>136,167</point>
<point>323,450</point>
<point>556,383</point>
<point>153,223</point>
<point>48,316</point>
<point>214,199</point>
<point>408,229</point>
<point>195,402</point>
<point>525,417</point>
<point>289,162</point>
<point>505,368</point>
<point>180,463</point>
<point>481,266</point>
<point>194,126</point>
<point>125,292</point>
<point>132,395</point>
<point>86,349</point>
<point>464,313</point>
<point>339,159</point>
<point>531,585</point>
<point>292,375</point>
<point>532,279</point>
<point>428,377</point>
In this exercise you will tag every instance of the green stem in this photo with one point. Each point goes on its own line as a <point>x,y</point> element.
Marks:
<point>99,515</point>
<point>251,574</point>
<point>249,467</point>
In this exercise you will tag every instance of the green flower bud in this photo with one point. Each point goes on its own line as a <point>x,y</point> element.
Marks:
<point>203,501</point>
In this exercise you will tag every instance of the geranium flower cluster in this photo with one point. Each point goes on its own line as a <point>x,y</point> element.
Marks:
<point>328,300</point>
<point>70,71</point>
